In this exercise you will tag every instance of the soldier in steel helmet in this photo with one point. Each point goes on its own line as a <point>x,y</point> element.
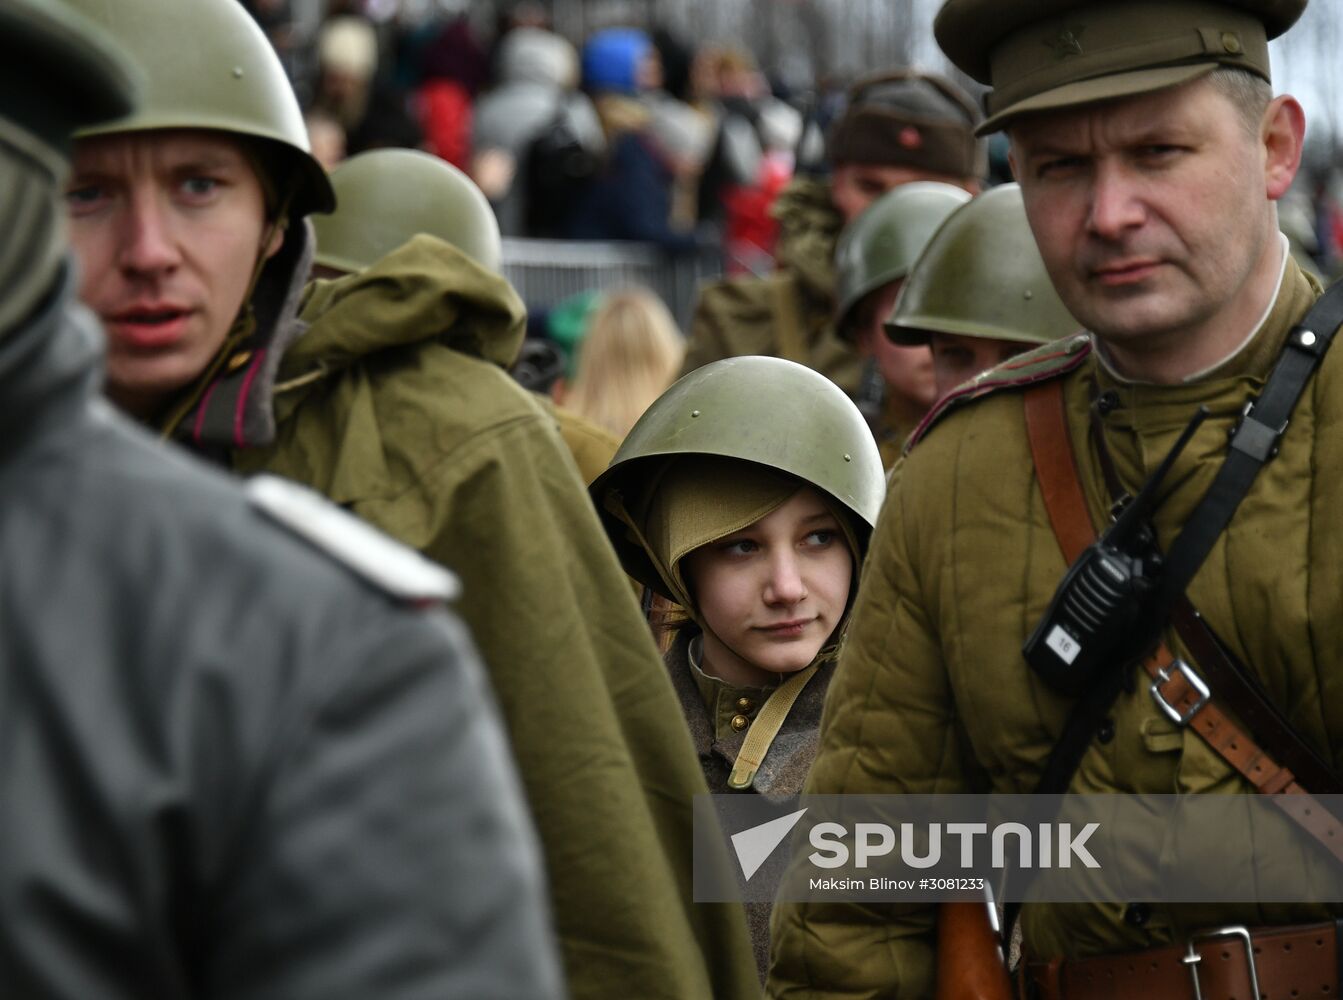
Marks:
<point>385,196</point>
<point>899,126</point>
<point>247,752</point>
<point>746,494</point>
<point>979,293</point>
<point>397,209</point>
<point>874,255</point>
<point>1151,154</point>
<point>385,391</point>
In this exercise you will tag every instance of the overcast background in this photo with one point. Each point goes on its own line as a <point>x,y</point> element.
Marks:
<point>801,41</point>
<point>806,39</point>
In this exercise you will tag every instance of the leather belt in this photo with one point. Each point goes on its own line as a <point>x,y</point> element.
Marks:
<point>1226,963</point>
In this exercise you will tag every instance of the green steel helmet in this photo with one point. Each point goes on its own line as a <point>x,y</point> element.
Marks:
<point>981,275</point>
<point>208,66</point>
<point>387,196</point>
<point>881,245</point>
<point>769,411</point>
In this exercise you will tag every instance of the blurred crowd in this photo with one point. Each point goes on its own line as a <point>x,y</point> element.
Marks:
<point>628,136</point>
<point>684,145</point>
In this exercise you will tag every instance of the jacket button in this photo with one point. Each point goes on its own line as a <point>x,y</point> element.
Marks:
<point>1107,403</point>
<point>745,705</point>
<point>740,722</point>
<point>1106,732</point>
<point>1137,914</point>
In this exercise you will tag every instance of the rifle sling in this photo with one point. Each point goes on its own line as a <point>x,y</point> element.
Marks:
<point>1254,442</point>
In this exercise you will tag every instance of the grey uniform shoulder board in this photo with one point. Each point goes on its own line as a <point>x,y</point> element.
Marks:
<point>1045,362</point>
<point>378,559</point>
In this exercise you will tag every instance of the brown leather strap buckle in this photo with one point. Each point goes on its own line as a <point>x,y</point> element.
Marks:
<point>1192,959</point>
<point>1181,717</point>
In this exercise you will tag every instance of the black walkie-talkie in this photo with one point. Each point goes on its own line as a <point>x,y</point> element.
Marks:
<point>1095,617</point>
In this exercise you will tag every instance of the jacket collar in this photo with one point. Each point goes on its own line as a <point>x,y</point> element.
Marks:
<point>790,755</point>
<point>1149,408</point>
<point>48,365</point>
<point>234,405</point>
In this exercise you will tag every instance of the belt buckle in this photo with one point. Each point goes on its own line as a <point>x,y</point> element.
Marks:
<point>1195,681</point>
<point>1192,958</point>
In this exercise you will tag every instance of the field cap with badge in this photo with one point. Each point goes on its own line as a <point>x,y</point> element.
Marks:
<point>1039,55</point>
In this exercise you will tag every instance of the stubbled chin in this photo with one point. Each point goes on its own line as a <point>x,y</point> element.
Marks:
<point>140,384</point>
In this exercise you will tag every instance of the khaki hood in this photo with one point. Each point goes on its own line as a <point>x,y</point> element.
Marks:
<point>426,290</point>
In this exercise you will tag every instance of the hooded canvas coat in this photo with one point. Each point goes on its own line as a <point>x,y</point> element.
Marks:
<point>394,404</point>
<point>932,694</point>
<point>749,315</point>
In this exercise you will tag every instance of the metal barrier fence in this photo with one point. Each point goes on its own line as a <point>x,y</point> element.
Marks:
<point>546,272</point>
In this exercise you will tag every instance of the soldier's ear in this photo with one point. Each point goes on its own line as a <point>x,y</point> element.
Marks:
<point>1282,136</point>
<point>276,238</point>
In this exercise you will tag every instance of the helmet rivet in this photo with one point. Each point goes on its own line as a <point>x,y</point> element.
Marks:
<point>694,413</point>
<point>1028,294</point>
<point>237,72</point>
<point>848,458</point>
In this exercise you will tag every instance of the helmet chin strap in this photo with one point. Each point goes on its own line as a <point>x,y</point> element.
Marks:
<point>32,219</point>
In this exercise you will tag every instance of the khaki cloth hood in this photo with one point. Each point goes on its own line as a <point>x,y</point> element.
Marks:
<point>690,508</point>
<point>426,290</point>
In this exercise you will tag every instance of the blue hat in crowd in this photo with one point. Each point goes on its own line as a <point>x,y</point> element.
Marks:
<point>611,60</point>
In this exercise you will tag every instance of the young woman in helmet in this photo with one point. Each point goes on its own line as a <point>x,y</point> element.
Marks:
<point>746,495</point>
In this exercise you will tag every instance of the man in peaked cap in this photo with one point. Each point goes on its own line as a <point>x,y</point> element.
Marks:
<point>1151,153</point>
<point>899,126</point>
<point>246,751</point>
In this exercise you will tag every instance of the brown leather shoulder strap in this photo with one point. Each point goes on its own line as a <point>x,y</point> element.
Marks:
<point>1056,469</point>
